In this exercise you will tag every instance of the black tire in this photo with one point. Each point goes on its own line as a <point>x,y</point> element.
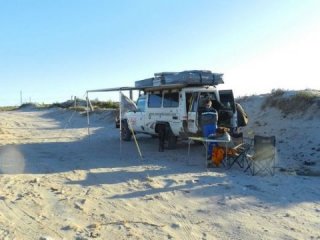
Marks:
<point>125,131</point>
<point>172,140</point>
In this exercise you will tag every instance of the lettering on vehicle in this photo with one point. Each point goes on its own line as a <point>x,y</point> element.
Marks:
<point>162,115</point>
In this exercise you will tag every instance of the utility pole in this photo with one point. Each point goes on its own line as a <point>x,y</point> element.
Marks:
<point>20,97</point>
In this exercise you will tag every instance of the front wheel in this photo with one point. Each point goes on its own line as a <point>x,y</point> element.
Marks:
<point>125,131</point>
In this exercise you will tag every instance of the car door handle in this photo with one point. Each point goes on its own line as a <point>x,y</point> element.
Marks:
<point>175,117</point>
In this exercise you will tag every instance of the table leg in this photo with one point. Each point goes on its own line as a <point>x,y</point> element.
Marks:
<point>206,160</point>
<point>227,155</point>
<point>189,142</point>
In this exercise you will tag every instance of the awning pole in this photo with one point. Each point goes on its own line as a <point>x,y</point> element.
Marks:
<point>120,118</point>
<point>88,117</point>
<point>135,140</point>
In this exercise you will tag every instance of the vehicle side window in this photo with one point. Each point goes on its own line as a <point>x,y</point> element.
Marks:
<point>141,104</point>
<point>154,100</point>
<point>171,99</point>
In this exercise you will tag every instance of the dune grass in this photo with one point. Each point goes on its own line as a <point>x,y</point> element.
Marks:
<point>8,108</point>
<point>80,105</point>
<point>295,102</point>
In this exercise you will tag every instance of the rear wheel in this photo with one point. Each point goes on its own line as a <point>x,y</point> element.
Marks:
<point>125,131</point>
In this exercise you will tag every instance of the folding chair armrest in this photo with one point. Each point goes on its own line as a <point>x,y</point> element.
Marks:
<point>238,146</point>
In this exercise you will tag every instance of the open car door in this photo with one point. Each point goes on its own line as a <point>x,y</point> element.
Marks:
<point>227,114</point>
<point>193,112</point>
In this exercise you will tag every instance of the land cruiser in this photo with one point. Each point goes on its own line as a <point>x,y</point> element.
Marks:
<point>172,102</point>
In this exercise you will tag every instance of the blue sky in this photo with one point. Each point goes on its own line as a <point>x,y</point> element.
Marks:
<point>52,50</point>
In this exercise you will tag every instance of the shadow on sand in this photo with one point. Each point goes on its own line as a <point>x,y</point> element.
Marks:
<point>102,151</point>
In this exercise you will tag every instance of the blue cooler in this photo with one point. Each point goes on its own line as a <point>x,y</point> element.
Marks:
<point>208,123</point>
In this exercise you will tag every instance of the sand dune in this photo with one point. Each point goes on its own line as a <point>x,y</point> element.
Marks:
<point>59,183</point>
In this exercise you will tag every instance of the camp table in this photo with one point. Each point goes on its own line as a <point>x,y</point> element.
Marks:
<point>206,142</point>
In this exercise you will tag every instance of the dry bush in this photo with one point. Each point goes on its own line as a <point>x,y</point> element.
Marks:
<point>78,108</point>
<point>244,98</point>
<point>8,108</point>
<point>274,99</point>
<point>295,103</point>
<point>103,104</point>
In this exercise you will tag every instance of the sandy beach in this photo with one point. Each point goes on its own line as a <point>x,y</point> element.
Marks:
<point>58,182</point>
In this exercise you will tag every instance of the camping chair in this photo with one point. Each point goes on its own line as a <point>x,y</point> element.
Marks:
<point>264,155</point>
<point>230,153</point>
<point>237,153</point>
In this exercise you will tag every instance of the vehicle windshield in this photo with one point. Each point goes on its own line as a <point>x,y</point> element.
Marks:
<point>141,103</point>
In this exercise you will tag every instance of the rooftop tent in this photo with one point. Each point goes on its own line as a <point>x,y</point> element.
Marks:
<point>193,77</point>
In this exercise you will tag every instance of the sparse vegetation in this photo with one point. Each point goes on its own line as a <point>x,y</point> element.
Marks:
<point>35,105</point>
<point>277,92</point>
<point>8,108</point>
<point>80,105</point>
<point>288,102</point>
<point>78,108</point>
<point>243,98</point>
<point>102,104</point>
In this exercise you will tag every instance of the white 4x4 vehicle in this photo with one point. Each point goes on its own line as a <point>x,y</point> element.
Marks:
<point>175,109</point>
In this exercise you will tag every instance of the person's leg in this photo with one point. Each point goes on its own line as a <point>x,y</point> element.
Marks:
<point>162,136</point>
<point>208,130</point>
